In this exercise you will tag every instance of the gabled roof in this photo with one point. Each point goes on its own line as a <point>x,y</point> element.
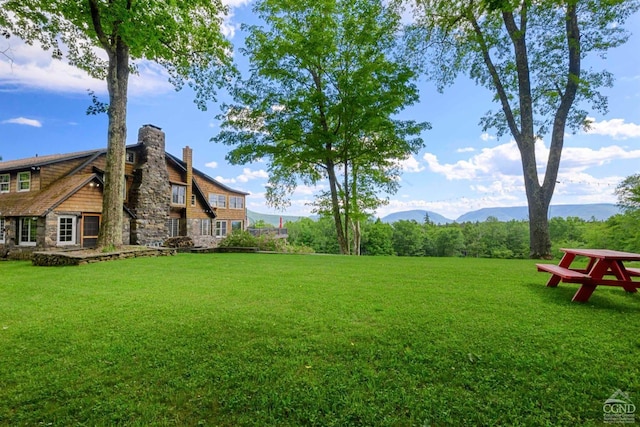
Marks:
<point>182,165</point>
<point>45,160</point>
<point>40,203</point>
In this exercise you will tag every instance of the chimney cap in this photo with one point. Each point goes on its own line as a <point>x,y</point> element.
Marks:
<point>152,126</point>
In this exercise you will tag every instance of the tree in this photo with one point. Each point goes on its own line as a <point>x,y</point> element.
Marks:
<point>530,54</point>
<point>408,238</point>
<point>184,37</point>
<point>320,104</point>
<point>377,238</point>
<point>628,192</point>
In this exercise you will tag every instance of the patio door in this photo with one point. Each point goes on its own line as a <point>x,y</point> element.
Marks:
<point>90,229</point>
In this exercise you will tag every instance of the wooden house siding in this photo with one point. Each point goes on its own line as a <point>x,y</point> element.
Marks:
<point>87,199</point>
<point>52,172</point>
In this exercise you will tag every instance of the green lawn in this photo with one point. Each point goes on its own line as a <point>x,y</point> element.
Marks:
<point>290,340</point>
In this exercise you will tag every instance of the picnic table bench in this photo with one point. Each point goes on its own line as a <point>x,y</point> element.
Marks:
<point>602,264</point>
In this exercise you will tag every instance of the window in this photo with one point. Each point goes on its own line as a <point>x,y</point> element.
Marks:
<point>221,228</point>
<point>4,183</point>
<point>174,227</point>
<point>28,231</point>
<point>178,194</point>
<point>66,230</point>
<point>217,200</point>
<point>24,181</point>
<point>2,229</point>
<point>131,157</point>
<point>236,202</point>
<point>236,225</point>
<point>205,227</point>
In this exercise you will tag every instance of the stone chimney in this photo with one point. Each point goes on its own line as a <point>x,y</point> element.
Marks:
<point>187,157</point>
<point>151,191</point>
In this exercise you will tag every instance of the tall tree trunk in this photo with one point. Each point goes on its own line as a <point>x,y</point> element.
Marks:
<point>112,201</point>
<point>335,206</point>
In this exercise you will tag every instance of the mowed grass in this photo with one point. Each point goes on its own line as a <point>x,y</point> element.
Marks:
<point>292,340</point>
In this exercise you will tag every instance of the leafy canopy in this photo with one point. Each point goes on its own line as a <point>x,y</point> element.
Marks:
<point>323,91</point>
<point>184,37</point>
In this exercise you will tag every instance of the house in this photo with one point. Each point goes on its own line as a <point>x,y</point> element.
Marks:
<point>55,201</point>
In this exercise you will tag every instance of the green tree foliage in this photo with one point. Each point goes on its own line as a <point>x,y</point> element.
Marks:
<point>183,36</point>
<point>487,239</point>
<point>530,55</point>
<point>320,104</point>
<point>408,238</point>
<point>377,238</point>
<point>318,235</point>
<point>628,193</point>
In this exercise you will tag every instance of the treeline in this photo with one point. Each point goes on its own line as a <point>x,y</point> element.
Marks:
<point>488,239</point>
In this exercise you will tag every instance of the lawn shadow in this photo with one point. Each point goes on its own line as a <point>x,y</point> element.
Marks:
<point>600,300</point>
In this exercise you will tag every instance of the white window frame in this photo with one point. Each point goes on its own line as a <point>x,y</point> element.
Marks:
<point>23,181</point>
<point>178,195</point>
<point>236,202</point>
<point>3,224</point>
<point>221,228</point>
<point>30,231</point>
<point>205,227</point>
<point>130,157</point>
<point>173,224</point>
<point>234,225</point>
<point>217,200</point>
<point>5,186</point>
<point>73,230</point>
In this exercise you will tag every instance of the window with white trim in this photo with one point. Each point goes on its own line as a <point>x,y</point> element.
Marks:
<point>174,227</point>
<point>221,228</point>
<point>236,226</point>
<point>66,230</point>
<point>236,202</point>
<point>131,157</point>
<point>178,194</point>
<point>205,227</point>
<point>5,181</point>
<point>2,229</point>
<point>24,181</point>
<point>217,200</point>
<point>28,231</point>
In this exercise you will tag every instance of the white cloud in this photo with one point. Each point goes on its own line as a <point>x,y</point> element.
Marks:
<point>33,68</point>
<point>411,165</point>
<point>246,176</point>
<point>23,121</point>
<point>465,150</point>
<point>615,128</point>
<point>211,165</point>
<point>229,27</point>
<point>486,137</point>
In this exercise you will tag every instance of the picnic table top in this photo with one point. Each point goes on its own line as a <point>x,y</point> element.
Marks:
<point>604,254</point>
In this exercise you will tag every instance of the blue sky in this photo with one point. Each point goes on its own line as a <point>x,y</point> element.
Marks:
<point>43,104</point>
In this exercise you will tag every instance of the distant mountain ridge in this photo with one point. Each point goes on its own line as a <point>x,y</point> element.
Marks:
<point>417,215</point>
<point>598,211</point>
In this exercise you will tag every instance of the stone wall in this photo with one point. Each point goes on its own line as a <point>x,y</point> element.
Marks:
<point>151,191</point>
<point>62,258</point>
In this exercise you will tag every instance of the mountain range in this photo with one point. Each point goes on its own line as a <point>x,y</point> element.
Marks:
<point>598,211</point>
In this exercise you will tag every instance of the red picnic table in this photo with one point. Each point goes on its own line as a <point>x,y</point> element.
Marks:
<point>602,262</point>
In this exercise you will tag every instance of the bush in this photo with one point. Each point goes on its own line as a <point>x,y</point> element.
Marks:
<point>265,242</point>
